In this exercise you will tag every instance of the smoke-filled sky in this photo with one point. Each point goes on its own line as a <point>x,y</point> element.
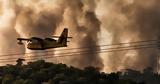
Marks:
<point>90,22</point>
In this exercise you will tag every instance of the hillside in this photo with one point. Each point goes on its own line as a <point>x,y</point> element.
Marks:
<point>41,72</point>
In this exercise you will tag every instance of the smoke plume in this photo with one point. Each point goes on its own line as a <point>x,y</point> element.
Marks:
<point>90,23</point>
<point>42,18</point>
<point>8,34</point>
<point>131,20</point>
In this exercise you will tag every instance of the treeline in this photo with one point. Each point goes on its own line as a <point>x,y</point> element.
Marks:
<point>41,72</point>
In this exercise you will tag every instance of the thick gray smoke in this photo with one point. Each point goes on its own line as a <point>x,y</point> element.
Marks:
<point>8,34</point>
<point>88,21</point>
<point>147,20</point>
<point>43,19</point>
<point>86,26</point>
<point>132,20</point>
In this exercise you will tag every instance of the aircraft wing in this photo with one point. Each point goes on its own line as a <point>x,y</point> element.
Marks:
<point>23,39</point>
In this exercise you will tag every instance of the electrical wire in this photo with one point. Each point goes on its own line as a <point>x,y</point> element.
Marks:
<point>93,52</point>
<point>137,42</point>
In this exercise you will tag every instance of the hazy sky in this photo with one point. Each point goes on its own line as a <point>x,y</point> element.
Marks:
<point>90,23</point>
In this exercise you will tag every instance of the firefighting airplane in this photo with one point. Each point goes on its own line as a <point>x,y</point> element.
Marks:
<point>35,43</point>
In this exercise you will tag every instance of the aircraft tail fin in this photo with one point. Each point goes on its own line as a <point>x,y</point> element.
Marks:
<point>63,37</point>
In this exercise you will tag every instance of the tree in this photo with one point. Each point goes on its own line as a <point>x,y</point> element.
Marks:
<point>8,79</point>
<point>20,61</point>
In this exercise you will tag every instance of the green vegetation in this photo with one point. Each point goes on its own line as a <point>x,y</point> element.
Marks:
<point>41,72</point>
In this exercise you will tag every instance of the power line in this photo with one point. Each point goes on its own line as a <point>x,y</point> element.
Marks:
<point>90,50</point>
<point>157,41</point>
<point>96,52</point>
